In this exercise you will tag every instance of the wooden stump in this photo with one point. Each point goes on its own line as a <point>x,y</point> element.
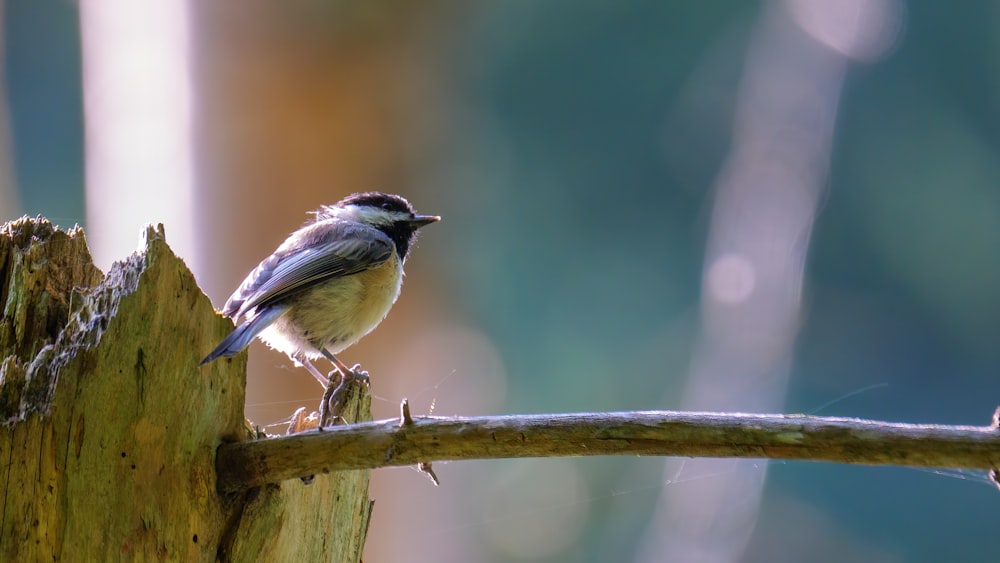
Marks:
<point>109,429</point>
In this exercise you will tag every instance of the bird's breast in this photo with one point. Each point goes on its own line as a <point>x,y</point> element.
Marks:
<point>338,312</point>
<point>379,288</point>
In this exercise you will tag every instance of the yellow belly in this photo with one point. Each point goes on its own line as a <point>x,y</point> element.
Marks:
<point>337,313</point>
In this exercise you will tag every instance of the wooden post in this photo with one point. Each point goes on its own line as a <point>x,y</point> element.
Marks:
<point>110,430</point>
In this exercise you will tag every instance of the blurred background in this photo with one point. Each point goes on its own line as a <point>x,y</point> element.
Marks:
<point>785,206</point>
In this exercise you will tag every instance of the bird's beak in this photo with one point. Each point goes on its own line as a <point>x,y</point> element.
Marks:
<point>421,220</point>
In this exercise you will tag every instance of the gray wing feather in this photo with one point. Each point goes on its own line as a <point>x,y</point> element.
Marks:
<point>241,336</point>
<point>289,271</point>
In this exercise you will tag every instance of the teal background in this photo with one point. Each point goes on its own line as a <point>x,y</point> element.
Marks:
<point>576,236</point>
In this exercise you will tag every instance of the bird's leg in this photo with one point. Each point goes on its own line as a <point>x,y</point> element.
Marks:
<point>322,379</point>
<point>345,372</point>
<point>333,402</point>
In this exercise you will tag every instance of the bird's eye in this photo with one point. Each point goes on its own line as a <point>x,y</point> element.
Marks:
<point>386,205</point>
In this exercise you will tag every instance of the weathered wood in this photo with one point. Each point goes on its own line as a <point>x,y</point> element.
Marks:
<point>109,430</point>
<point>665,433</point>
<point>328,516</point>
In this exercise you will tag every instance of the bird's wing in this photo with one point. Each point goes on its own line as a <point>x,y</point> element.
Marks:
<point>290,270</point>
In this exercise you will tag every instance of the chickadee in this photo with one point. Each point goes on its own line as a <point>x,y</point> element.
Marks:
<point>329,284</point>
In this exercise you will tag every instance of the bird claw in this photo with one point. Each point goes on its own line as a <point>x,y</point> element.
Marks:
<point>359,374</point>
<point>335,397</point>
<point>355,374</point>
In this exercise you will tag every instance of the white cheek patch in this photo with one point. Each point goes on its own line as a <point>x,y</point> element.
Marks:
<point>372,215</point>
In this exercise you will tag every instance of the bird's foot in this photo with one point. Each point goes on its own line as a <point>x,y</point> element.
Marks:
<point>358,374</point>
<point>334,401</point>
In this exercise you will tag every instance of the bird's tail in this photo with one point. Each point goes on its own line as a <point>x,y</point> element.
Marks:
<point>241,336</point>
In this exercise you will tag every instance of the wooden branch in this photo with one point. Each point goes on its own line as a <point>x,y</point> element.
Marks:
<point>665,433</point>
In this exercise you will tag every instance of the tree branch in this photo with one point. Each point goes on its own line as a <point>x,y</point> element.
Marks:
<point>385,443</point>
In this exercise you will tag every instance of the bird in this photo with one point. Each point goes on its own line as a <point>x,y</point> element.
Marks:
<point>329,284</point>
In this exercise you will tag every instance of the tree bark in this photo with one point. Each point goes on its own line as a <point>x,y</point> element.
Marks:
<point>110,430</point>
